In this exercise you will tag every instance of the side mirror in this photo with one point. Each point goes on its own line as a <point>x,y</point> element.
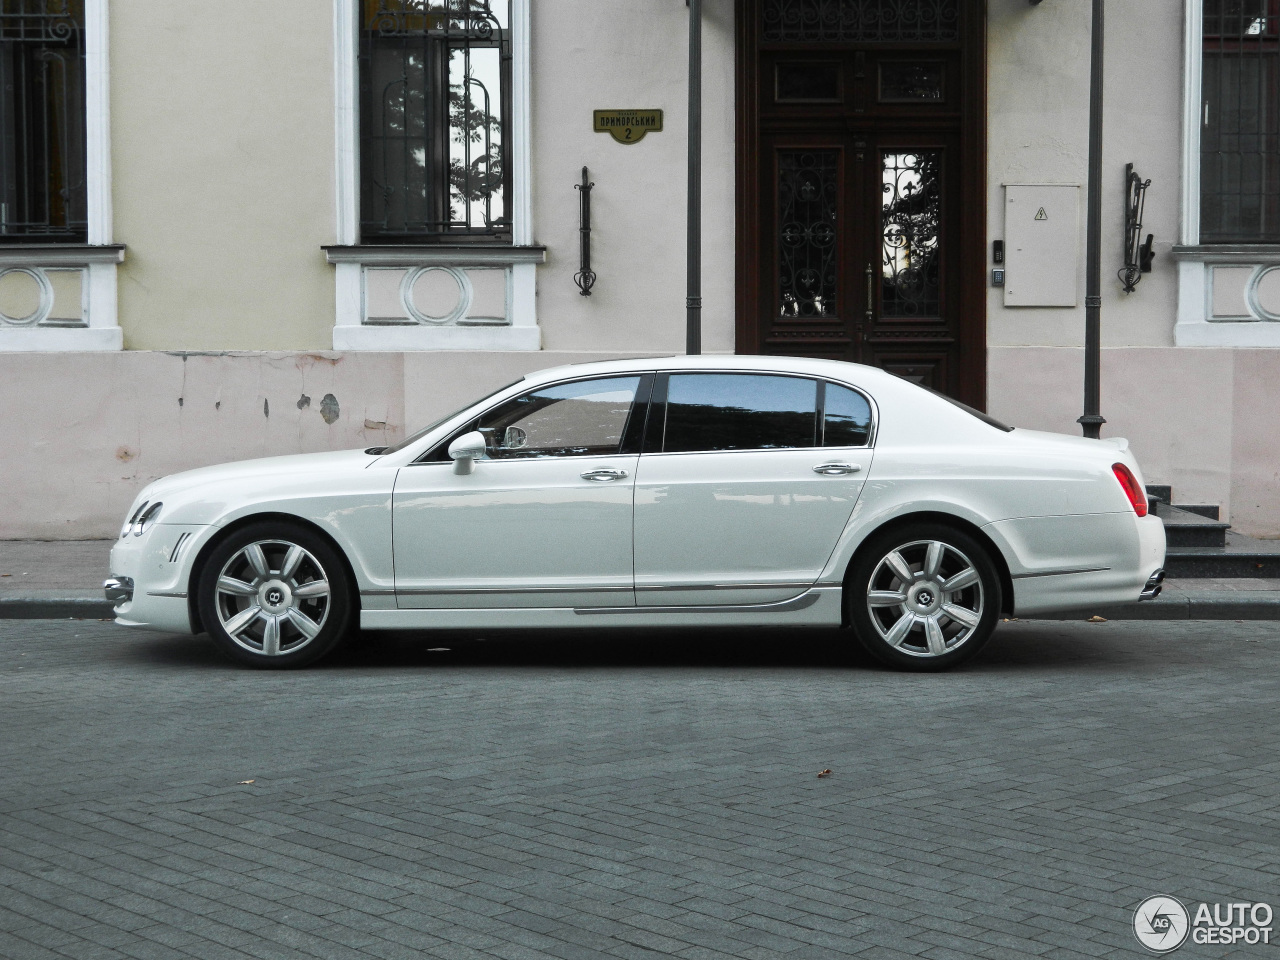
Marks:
<point>465,451</point>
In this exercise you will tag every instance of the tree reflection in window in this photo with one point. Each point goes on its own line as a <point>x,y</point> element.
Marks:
<point>434,94</point>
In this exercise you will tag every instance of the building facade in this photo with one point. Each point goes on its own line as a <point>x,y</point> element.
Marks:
<point>231,230</point>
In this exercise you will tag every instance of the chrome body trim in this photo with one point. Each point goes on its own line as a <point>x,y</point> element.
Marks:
<point>118,590</point>
<point>782,606</point>
<point>1058,573</point>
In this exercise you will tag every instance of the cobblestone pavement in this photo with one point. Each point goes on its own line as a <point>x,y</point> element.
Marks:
<point>631,796</point>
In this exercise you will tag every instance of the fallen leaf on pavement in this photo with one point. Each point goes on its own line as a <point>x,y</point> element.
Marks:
<point>824,773</point>
<point>1097,620</point>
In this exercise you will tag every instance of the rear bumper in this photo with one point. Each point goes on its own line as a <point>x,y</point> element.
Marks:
<point>1078,564</point>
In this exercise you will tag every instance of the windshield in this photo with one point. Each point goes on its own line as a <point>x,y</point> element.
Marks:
<point>415,437</point>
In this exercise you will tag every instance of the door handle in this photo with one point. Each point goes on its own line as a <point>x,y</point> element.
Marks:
<point>604,475</point>
<point>836,469</point>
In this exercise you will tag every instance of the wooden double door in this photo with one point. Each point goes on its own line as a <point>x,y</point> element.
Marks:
<point>862,188</point>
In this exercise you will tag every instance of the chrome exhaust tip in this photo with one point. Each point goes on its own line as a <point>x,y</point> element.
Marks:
<point>1153,587</point>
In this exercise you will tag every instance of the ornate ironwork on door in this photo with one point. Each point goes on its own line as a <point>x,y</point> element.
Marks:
<point>42,121</point>
<point>435,80</point>
<point>862,21</point>
<point>910,220</point>
<point>808,204</point>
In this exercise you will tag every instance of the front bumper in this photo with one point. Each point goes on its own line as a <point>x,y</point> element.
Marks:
<point>149,576</point>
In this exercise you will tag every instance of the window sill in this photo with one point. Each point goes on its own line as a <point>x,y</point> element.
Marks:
<point>75,293</point>
<point>403,339</point>
<point>458,297</point>
<point>60,339</point>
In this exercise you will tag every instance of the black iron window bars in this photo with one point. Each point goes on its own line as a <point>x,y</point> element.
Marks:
<point>1240,122</point>
<point>435,91</point>
<point>42,122</point>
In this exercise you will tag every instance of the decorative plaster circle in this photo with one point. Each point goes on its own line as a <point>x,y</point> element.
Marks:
<point>465,295</point>
<point>1254,299</point>
<point>43,308</point>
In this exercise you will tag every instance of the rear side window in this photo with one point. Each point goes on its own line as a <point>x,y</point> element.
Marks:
<point>847,418</point>
<point>735,411</point>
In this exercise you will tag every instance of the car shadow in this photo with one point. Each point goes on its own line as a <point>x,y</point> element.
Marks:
<point>1015,647</point>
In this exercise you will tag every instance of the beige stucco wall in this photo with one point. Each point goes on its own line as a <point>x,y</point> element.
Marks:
<point>592,55</point>
<point>222,156</point>
<point>1038,132</point>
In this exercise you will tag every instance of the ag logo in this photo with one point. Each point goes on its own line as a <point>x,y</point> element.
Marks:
<point>1161,924</point>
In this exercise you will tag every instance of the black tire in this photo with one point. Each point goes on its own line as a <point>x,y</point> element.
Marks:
<point>931,627</point>
<point>321,606</point>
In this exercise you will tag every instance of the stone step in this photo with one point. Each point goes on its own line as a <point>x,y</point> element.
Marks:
<point>1241,557</point>
<point>1186,528</point>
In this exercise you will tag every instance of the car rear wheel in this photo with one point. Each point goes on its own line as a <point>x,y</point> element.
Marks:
<point>923,597</point>
<point>275,595</point>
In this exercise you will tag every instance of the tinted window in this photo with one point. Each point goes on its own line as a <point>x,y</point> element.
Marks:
<point>585,418</point>
<point>847,420</point>
<point>732,411</point>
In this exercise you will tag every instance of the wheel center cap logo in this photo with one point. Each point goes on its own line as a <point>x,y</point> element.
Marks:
<point>924,597</point>
<point>274,597</point>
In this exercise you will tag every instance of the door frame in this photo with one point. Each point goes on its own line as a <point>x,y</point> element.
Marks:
<point>971,202</point>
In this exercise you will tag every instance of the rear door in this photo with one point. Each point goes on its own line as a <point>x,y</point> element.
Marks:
<point>745,485</point>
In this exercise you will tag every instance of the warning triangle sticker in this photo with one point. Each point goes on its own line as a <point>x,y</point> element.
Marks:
<point>1041,215</point>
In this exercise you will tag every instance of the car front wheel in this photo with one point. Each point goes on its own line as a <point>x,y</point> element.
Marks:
<point>274,595</point>
<point>923,597</point>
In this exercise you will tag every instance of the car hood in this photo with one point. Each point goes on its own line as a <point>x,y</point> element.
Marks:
<point>190,483</point>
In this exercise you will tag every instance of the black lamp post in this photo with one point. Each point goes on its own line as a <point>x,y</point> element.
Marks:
<point>1092,420</point>
<point>693,293</point>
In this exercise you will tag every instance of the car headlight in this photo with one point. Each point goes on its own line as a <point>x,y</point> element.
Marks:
<point>128,524</point>
<point>144,518</point>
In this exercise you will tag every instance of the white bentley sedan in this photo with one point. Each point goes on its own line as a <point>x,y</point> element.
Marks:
<point>683,491</point>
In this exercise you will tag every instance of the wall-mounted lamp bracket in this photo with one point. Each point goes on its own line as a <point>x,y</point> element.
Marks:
<point>1137,253</point>
<point>585,278</point>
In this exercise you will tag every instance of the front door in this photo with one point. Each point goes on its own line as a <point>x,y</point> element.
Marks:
<point>544,520</point>
<point>861,210</point>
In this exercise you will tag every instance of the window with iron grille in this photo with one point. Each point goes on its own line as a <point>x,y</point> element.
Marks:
<point>42,122</point>
<point>1240,122</point>
<point>435,82</point>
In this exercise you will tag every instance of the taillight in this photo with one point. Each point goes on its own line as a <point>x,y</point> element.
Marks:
<point>1129,483</point>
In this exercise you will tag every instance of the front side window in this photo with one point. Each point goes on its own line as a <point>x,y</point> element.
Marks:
<point>1240,122</point>
<point>733,411</point>
<point>584,418</point>
<point>42,122</point>
<point>435,81</point>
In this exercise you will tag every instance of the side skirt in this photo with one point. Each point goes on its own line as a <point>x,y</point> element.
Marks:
<point>818,607</point>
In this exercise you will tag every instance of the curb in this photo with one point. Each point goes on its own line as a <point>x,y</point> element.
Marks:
<point>55,608</point>
<point>1234,605</point>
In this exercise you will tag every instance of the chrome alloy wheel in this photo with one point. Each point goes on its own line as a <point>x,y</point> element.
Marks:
<point>272,597</point>
<point>925,598</point>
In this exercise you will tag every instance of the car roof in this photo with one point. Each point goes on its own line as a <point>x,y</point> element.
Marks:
<point>853,373</point>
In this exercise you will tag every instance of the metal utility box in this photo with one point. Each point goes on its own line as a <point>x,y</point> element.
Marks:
<point>1042,244</point>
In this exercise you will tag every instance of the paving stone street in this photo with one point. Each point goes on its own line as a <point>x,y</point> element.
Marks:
<point>630,795</point>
